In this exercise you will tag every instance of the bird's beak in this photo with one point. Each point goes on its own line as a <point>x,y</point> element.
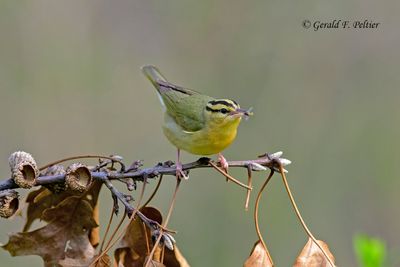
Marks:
<point>242,112</point>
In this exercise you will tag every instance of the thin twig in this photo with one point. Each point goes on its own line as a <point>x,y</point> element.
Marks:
<point>171,207</point>
<point>110,244</point>
<point>303,224</point>
<point>138,175</point>
<point>256,215</point>
<point>82,157</point>
<point>154,192</point>
<point>162,254</point>
<point>228,176</point>
<point>130,210</point>
<point>107,230</point>
<point>178,182</point>
<point>146,237</point>
<point>102,253</point>
<point>249,183</point>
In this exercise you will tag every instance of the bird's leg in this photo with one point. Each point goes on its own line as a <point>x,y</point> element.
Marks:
<point>223,162</point>
<point>179,172</point>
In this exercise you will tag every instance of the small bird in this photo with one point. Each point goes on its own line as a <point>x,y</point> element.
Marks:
<point>194,122</point>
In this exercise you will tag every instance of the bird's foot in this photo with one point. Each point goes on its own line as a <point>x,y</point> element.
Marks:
<point>223,162</point>
<point>179,172</point>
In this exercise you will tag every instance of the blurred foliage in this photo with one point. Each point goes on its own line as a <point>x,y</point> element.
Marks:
<point>70,84</point>
<point>370,252</point>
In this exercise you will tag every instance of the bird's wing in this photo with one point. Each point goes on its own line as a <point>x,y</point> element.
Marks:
<point>186,106</point>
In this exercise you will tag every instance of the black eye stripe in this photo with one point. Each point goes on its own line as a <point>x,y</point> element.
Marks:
<point>222,102</point>
<point>222,110</point>
<point>212,110</point>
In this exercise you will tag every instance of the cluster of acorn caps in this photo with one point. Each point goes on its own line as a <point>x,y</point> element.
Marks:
<point>25,174</point>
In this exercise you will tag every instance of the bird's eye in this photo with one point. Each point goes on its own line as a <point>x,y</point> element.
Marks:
<point>224,110</point>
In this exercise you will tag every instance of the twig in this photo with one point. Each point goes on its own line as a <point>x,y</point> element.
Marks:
<point>138,175</point>
<point>110,242</point>
<point>303,224</point>
<point>107,230</point>
<point>228,176</point>
<point>111,158</point>
<point>146,237</point>
<point>154,192</point>
<point>249,183</point>
<point>102,253</point>
<point>171,207</point>
<point>256,215</point>
<point>121,197</point>
<point>131,211</point>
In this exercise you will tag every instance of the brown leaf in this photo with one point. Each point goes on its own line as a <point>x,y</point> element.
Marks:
<point>312,256</point>
<point>154,263</point>
<point>40,200</point>
<point>94,235</point>
<point>64,240</point>
<point>92,195</point>
<point>258,257</point>
<point>174,258</point>
<point>136,245</point>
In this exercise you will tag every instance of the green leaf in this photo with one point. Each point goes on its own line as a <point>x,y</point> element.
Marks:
<point>370,252</point>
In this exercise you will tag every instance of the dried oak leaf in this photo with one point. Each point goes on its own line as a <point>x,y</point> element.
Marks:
<point>154,263</point>
<point>312,256</point>
<point>94,235</point>
<point>136,244</point>
<point>40,200</point>
<point>258,257</point>
<point>174,258</point>
<point>43,199</point>
<point>92,196</point>
<point>64,240</point>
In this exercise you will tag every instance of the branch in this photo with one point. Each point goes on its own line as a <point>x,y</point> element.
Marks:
<point>260,164</point>
<point>134,173</point>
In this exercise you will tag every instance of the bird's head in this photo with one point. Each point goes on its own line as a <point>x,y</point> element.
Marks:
<point>225,111</point>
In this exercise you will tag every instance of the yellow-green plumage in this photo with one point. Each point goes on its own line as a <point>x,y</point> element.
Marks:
<point>211,139</point>
<point>194,122</point>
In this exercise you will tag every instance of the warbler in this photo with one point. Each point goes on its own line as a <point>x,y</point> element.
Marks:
<point>194,122</point>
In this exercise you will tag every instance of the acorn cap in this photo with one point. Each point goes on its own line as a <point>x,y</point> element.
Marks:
<point>78,177</point>
<point>9,203</point>
<point>24,170</point>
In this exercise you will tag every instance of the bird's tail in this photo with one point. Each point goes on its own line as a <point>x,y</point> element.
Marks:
<point>154,75</point>
<point>157,79</point>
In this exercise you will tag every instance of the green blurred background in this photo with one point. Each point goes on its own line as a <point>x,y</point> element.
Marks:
<point>70,84</point>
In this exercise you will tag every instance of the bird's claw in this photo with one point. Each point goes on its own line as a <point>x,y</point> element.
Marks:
<point>180,173</point>
<point>223,162</point>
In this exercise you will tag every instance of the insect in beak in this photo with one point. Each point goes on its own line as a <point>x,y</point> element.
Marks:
<point>240,112</point>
